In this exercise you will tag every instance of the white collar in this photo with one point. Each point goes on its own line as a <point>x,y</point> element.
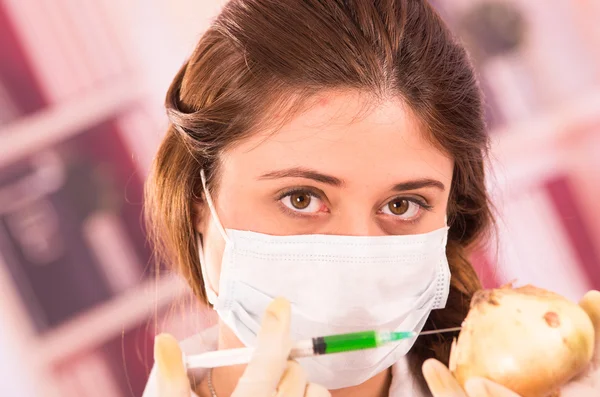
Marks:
<point>403,384</point>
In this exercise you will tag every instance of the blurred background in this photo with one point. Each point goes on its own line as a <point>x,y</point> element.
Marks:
<point>82,84</point>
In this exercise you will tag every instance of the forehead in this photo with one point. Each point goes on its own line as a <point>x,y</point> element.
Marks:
<point>348,135</point>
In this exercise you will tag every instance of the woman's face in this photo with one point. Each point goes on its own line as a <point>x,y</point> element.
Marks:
<point>345,166</point>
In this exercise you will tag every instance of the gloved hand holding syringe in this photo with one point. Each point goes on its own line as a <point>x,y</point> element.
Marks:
<point>272,366</point>
<point>339,343</point>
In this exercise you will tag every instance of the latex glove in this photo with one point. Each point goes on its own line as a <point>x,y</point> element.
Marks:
<point>171,374</point>
<point>443,384</point>
<point>269,373</point>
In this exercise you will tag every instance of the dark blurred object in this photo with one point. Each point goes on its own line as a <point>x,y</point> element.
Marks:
<point>68,234</point>
<point>492,28</point>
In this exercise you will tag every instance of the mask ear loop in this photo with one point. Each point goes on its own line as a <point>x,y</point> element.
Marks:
<point>211,295</point>
<point>212,209</point>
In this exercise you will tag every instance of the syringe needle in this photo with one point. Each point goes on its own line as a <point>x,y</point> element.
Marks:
<point>440,331</point>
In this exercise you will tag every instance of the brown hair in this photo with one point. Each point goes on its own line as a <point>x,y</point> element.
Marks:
<point>259,54</point>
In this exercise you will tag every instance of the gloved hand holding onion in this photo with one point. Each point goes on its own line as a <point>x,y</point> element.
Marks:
<point>528,342</point>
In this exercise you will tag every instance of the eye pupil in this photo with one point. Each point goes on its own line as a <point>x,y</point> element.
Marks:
<point>399,207</point>
<point>300,200</point>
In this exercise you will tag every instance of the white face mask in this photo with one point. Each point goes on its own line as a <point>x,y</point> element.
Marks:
<point>336,284</point>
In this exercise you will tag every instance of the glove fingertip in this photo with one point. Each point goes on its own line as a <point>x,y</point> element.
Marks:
<point>169,358</point>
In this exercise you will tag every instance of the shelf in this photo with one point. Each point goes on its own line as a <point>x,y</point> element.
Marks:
<point>539,147</point>
<point>108,320</point>
<point>48,126</point>
<point>546,130</point>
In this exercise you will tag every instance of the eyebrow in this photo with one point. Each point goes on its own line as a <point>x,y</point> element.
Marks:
<point>300,172</point>
<point>418,184</point>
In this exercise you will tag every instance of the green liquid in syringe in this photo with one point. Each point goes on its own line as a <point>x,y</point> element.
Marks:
<point>356,341</point>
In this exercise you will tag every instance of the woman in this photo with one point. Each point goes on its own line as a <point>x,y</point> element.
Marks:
<point>331,153</point>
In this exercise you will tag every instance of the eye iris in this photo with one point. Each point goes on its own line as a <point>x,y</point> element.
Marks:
<point>300,200</point>
<point>399,207</point>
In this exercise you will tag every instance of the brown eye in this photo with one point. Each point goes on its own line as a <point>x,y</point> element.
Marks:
<point>300,201</point>
<point>403,209</point>
<point>303,201</point>
<point>399,207</point>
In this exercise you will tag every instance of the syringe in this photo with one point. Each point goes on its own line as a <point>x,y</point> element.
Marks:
<point>310,347</point>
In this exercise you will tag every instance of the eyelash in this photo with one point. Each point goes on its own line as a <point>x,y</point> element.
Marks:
<point>421,203</point>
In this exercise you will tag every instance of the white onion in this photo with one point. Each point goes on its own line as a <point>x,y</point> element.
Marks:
<point>528,339</point>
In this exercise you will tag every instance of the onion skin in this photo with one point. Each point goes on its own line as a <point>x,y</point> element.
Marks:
<point>528,339</point>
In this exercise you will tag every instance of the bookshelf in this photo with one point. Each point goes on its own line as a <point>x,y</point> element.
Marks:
<point>62,120</point>
<point>134,307</point>
<point>98,93</point>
